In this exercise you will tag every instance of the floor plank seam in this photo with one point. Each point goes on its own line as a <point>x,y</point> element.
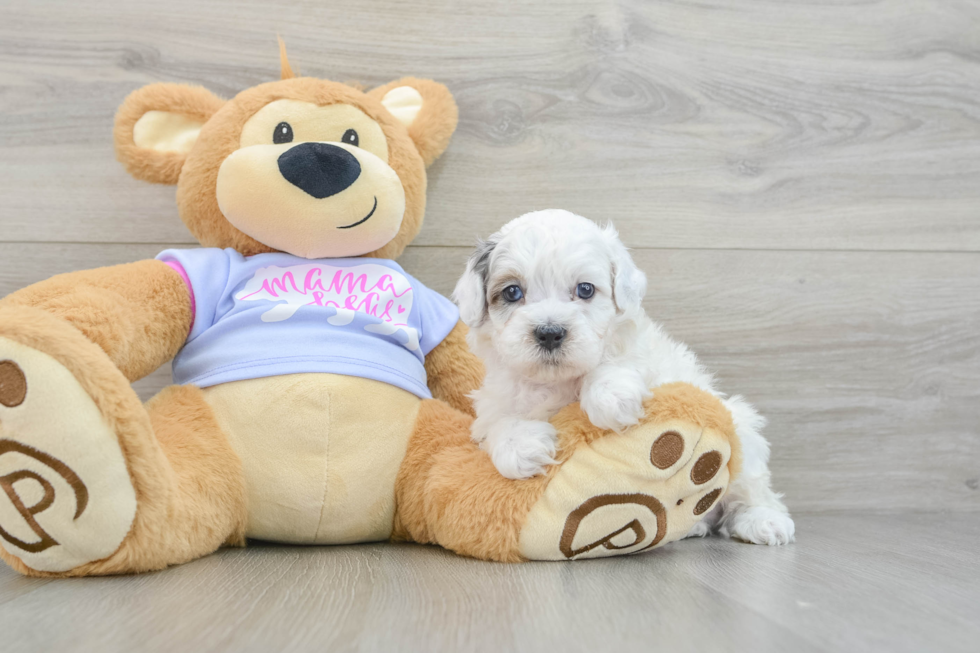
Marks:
<point>637,248</point>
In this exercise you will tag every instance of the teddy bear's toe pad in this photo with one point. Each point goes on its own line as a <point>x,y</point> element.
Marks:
<point>65,493</point>
<point>625,493</point>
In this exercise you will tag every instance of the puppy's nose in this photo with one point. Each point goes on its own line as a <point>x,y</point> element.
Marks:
<point>319,169</point>
<point>550,336</point>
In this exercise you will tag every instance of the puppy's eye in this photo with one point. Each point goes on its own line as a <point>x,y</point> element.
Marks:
<point>585,290</point>
<point>350,137</point>
<point>512,294</point>
<point>283,133</point>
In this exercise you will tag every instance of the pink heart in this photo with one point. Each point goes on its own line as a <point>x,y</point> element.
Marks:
<point>401,309</point>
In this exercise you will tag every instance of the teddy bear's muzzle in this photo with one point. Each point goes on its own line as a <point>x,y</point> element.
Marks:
<point>319,169</point>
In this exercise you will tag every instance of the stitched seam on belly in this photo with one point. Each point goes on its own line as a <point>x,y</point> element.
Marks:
<point>326,462</point>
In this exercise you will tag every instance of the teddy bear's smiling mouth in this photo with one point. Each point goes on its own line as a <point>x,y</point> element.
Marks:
<point>365,218</point>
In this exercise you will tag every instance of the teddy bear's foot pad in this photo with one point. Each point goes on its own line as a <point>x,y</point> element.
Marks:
<point>66,498</point>
<point>625,493</point>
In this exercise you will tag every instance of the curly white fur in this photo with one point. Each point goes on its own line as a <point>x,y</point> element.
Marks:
<point>609,358</point>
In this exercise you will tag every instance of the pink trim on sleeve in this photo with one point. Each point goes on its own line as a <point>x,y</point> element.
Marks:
<point>179,269</point>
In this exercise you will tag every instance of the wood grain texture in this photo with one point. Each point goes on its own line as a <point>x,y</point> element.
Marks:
<point>892,583</point>
<point>712,124</point>
<point>801,179</point>
<point>866,364</point>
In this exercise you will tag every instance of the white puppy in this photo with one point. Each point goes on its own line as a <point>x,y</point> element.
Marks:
<point>553,302</point>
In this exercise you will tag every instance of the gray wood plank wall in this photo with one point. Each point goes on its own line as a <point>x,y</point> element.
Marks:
<point>800,180</point>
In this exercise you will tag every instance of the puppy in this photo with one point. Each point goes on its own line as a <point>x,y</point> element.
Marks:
<point>553,303</point>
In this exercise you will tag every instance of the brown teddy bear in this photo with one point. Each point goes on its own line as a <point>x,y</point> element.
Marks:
<point>322,391</point>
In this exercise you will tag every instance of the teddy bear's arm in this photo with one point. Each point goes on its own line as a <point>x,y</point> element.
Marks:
<point>454,371</point>
<point>138,313</point>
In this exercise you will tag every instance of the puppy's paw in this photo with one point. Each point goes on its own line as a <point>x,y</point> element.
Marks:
<point>522,448</point>
<point>701,529</point>
<point>613,397</point>
<point>762,525</point>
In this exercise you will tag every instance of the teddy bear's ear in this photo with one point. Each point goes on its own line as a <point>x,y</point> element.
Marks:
<point>156,127</point>
<point>426,108</point>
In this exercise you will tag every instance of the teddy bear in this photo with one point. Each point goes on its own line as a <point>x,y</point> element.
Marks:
<point>322,394</point>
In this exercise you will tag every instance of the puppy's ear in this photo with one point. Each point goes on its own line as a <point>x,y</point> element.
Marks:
<point>629,282</point>
<point>426,108</point>
<point>471,289</point>
<point>157,126</point>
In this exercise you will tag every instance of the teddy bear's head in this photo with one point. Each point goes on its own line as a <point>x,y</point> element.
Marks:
<point>305,166</point>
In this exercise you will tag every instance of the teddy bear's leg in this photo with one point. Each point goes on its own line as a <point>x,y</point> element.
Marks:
<point>92,481</point>
<point>610,494</point>
<point>449,493</point>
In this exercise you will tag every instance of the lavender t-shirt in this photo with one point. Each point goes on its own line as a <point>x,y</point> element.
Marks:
<point>274,314</point>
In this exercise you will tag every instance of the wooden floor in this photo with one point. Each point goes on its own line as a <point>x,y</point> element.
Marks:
<point>852,583</point>
<point>800,179</point>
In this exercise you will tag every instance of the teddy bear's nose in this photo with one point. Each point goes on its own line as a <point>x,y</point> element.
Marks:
<point>320,169</point>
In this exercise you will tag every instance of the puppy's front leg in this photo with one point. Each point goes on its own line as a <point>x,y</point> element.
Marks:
<point>613,396</point>
<point>519,448</point>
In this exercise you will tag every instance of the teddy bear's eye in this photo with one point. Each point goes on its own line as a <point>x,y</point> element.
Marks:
<point>350,137</point>
<point>283,133</point>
